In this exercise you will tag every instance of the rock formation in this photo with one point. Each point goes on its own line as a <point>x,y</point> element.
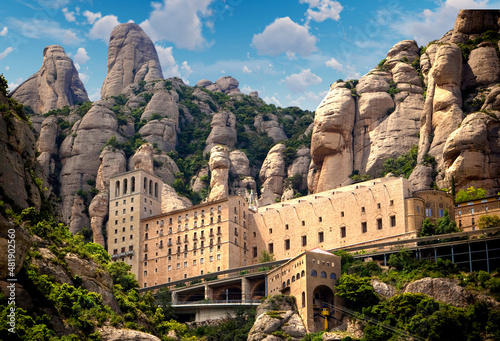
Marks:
<point>285,319</point>
<point>226,85</point>
<point>171,201</point>
<point>273,172</point>
<point>331,142</point>
<point>223,130</point>
<point>132,58</point>
<point>219,167</point>
<point>54,86</point>
<point>269,124</point>
<point>241,180</point>
<point>46,145</point>
<point>142,159</point>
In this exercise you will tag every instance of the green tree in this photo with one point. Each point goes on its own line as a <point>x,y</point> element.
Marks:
<point>403,260</point>
<point>120,272</point>
<point>428,228</point>
<point>445,224</point>
<point>266,257</point>
<point>357,291</point>
<point>470,194</point>
<point>486,221</point>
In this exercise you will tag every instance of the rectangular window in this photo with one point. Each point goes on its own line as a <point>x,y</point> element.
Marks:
<point>270,231</point>
<point>254,251</point>
<point>286,226</point>
<point>303,223</point>
<point>321,237</point>
<point>202,260</point>
<point>342,232</point>
<point>441,212</point>
<point>391,203</point>
<point>393,220</point>
<point>472,221</point>
<point>194,262</point>
<point>211,258</point>
<point>320,219</point>
<point>287,244</point>
<point>342,213</point>
<point>364,228</point>
<point>379,224</point>
<point>185,264</point>
<point>169,267</point>
<point>218,256</point>
<point>304,240</point>
<point>363,209</point>
<point>428,212</point>
<point>378,205</point>
<point>472,211</point>
<point>270,247</point>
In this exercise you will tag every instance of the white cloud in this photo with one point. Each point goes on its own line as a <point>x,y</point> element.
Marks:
<point>246,89</point>
<point>320,10</point>
<point>167,61</point>
<point>284,36</point>
<point>92,17</point>
<point>299,82</point>
<point>246,69</point>
<point>334,64</point>
<point>187,71</point>
<point>272,100</point>
<point>6,52</point>
<point>102,28</point>
<point>4,32</point>
<point>55,4</point>
<point>7,68</point>
<point>84,77</point>
<point>432,24</point>
<point>95,95</point>
<point>81,56</point>
<point>15,84</point>
<point>70,16</point>
<point>77,66</point>
<point>178,21</point>
<point>36,29</point>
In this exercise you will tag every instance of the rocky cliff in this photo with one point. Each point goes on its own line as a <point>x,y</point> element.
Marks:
<point>54,86</point>
<point>428,97</point>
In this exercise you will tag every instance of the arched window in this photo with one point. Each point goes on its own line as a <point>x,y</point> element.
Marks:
<point>303,299</point>
<point>156,190</point>
<point>303,273</point>
<point>145,189</point>
<point>333,276</point>
<point>323,274</point>
<point>117,189</point>
<point>293,279</point>
<point>288,281</point>
<point>314,273</point>
<point>298,275</point>
<point>132,184</point>
<point>284,284</point>
<point>150,187</point>
<point>125,183</point>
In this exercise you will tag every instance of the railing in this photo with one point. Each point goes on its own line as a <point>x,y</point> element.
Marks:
<point>122,254</point>
<point>202,302</point>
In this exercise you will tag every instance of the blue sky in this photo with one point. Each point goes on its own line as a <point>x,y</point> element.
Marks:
<point>289,51</point>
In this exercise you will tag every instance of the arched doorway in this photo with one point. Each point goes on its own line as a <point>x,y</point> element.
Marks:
<point>258,290</point>
<point>323,297</point>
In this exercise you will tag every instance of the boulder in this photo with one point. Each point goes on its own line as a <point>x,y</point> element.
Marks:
<point>442,289</point>
<point>204,83</point>
<point>273,172</point>
<point>171,201</point>
<point>132,58</point>
<point>219,167</point>
<point>470,21</point>
<point>484,66</point>
<point>142,159</point>
<point>23,244</point>
<point>54,86</point>
<point>46,145</point>
<point>112,163</point>
<point>109,333</point>
<point>223,130</point>
<point>98,213</point>
<point>269,124</point>
<point>227,84</point>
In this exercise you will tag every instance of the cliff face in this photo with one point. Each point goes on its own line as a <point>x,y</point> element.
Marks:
<point>428,97</point>
<point>56,84</point>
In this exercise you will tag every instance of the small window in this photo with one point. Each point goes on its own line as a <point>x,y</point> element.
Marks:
<point>304,240</point>
<point>363,209</point>
<point>303,299</point>
<point>270,247</point>
<point>378,205</point>
<point>254,251</point>
<point>473,221</point>
<point>342,232</point>
<point>303,223</point>
<point>393,220</point>
<point>333,276</point>
<point>342,213</point>
<point>428,212</point>
<point>321,237</point>
<point>287,244</point>
<point>391,203</point>
<point>441,212</point>
<point>323,274</point>
<point>364,228</point>
<point>270,231</point>
<point>314,273</point>
<point>379,224</point>
<point>320,219</point>
<point>286,226</point>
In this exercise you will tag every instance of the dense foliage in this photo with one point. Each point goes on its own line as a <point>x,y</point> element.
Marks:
<point>471,193</point>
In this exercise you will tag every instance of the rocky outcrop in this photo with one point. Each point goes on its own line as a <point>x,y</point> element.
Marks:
<point>54,86</point>
<point>226,85</point>
<point>98,213</point>
<point>241,180</point>
<point>164,111</point>
<point>142,159</point>
<point>471,154</point>
<point>219,167</point>
<point>23,243</point>
<point>112,162</point>
<point>113,334</point>
<point>350,327</point>
<point>331,142</point>
<point>442,289</point>
<point>223,130</point>
<point>171,201</point>
<point>284,319</point>
<point>165,168</point>
<point>269,124</point>
<point>300,167</point>
<point>383,289</point>
<point>46,145</point>
<point>273,172</point>
<point>79,154</point>
<point>132,58</point>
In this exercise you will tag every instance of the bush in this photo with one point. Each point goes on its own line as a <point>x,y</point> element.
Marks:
<point>357,291</point>
<point>403,165</point>
<point>470,194</point>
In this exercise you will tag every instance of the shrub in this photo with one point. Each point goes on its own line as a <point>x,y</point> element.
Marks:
<point>470,194</point>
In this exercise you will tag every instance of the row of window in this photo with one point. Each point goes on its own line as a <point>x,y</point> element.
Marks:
<point>123,229</point>
<point>124,220</point>
<point>123,249</point>
<point>153,187</point>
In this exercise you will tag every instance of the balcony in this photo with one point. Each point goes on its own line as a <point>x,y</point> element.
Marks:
<point>123,254</point>
<point>169,243</point>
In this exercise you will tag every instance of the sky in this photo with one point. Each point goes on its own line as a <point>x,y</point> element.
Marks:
<point>290,51</point>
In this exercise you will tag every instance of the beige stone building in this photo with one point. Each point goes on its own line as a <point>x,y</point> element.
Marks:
<point>206,238</point>
<point>467,213</point>
<point>310,277</point>
<point>134,195</point>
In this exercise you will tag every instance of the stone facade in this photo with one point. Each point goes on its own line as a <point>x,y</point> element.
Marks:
<point>209,237</point>
<point>310,277</point>
<point>134,195</point>
<point>467,213</point>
